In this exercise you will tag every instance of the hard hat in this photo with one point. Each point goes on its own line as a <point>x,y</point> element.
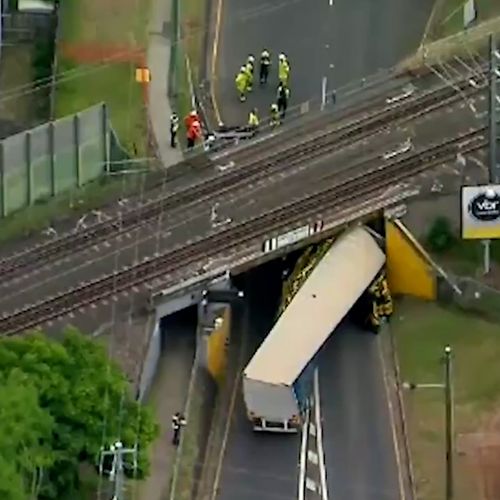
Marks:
<point>282,57</point>
<point>243,68</point>
<point>251,58</point>
<point>193,113</point>
<point>265,52</point>
<point>274,106</point>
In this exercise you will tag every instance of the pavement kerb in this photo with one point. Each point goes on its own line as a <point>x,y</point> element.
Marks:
<point>401,416</point>
<point>460,44</point>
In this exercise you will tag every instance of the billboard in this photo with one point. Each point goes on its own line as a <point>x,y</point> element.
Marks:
<point>480,216</point>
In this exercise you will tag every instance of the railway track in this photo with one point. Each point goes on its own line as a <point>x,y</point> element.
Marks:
<point>252,170</point>
<point>331,200</point>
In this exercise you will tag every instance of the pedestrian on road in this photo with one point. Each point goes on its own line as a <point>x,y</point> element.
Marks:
<point>178,422</point>
<point>193,133</point>
<point>275,115</point>
<point>250,69</point>
<point>265,63</point>
<point>282,97</point>
<point>253,119</point>
<point>283,70</point>
<point>174,127</point>
<point>242,83</point>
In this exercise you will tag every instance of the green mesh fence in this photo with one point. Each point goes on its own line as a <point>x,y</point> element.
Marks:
<point>52,158</point>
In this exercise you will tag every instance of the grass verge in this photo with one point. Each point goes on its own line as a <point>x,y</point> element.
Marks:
<point>115,85</point>
<point>449,19</point>
<point>73,203</point>
<point>421,331</point>
<point>90,32</point>
<point>184,476</point>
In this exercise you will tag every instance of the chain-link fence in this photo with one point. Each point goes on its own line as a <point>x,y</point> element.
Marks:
<point>53,157</point>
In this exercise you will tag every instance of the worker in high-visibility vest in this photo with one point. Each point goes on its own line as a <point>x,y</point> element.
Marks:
<point>193,134</point>
<point>283,70</point>
<point>250,71</point>
<point>253,119</point>
<point>241,81</point>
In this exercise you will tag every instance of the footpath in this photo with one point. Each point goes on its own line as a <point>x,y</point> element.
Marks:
<point>169,389</point>
<point>158,60</point>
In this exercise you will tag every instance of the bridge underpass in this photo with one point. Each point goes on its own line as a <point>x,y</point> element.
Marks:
<point>358,440</point>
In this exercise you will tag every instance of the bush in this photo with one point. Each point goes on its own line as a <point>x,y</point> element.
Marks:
<point>441,237</point>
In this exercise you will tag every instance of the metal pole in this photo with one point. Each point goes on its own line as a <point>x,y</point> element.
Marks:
<point>492,110</point>
<point>449,423</point>
<point>323,92</point>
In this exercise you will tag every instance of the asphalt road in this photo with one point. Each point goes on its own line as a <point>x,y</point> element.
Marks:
<point>345,42</point>
<point>188,224</point>
<point>360,455</point>
<point>258,465</point>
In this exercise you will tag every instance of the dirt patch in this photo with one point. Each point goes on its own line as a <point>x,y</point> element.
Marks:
<point>482,451</point>
<point>92,53</point>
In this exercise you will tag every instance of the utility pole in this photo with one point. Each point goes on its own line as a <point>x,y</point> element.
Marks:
<point>447,386</point>
<point>449,421</point>
<point>117,451</point>
<point>493,167</point>
<point>494,74</point>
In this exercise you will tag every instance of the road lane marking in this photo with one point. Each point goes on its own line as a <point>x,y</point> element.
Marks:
<point>312,457</point>
<point>402,491</point>
<point>311,485</point>
<point>319,437</point>
<point>330,2</point>
<point>302,462</point>
<point>215,53</point>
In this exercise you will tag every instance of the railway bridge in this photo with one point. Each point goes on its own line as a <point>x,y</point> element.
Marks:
<point>245,206</point>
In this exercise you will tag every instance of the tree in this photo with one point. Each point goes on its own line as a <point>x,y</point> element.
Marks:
<point>25,435</point>
<point>88,399</point>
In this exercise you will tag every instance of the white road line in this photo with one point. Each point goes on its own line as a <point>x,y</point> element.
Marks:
<point>319,437</point>
<point>330,2</point>
<point>302,463</point>
<point>311,485</point>
<point>312,457</point>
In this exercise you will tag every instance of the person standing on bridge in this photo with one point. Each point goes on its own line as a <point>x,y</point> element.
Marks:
<point>253,119</point>
<point>250,70</point>
<point>193,134</point>
<point>241,81</point>
<point>283,70</point>
<point>275,115</point>
<point>174,127</point>
<point>265,63</point>
<point>282,97</point>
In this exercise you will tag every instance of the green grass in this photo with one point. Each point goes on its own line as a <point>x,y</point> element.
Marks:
<point>117,25</point>
<point>421,331</point>
<point>35,218</point>
<point>114,84</point>
<point>449,20</point>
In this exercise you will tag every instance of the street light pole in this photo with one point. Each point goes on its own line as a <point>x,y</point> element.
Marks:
<point>494,66</point>
<point>449,422</point>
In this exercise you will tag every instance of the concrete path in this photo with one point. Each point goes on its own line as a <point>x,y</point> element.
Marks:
<point>168,395</point>
<point>158,62</point>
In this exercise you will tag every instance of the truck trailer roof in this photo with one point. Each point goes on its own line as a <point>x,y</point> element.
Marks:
<point>332,288</point>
